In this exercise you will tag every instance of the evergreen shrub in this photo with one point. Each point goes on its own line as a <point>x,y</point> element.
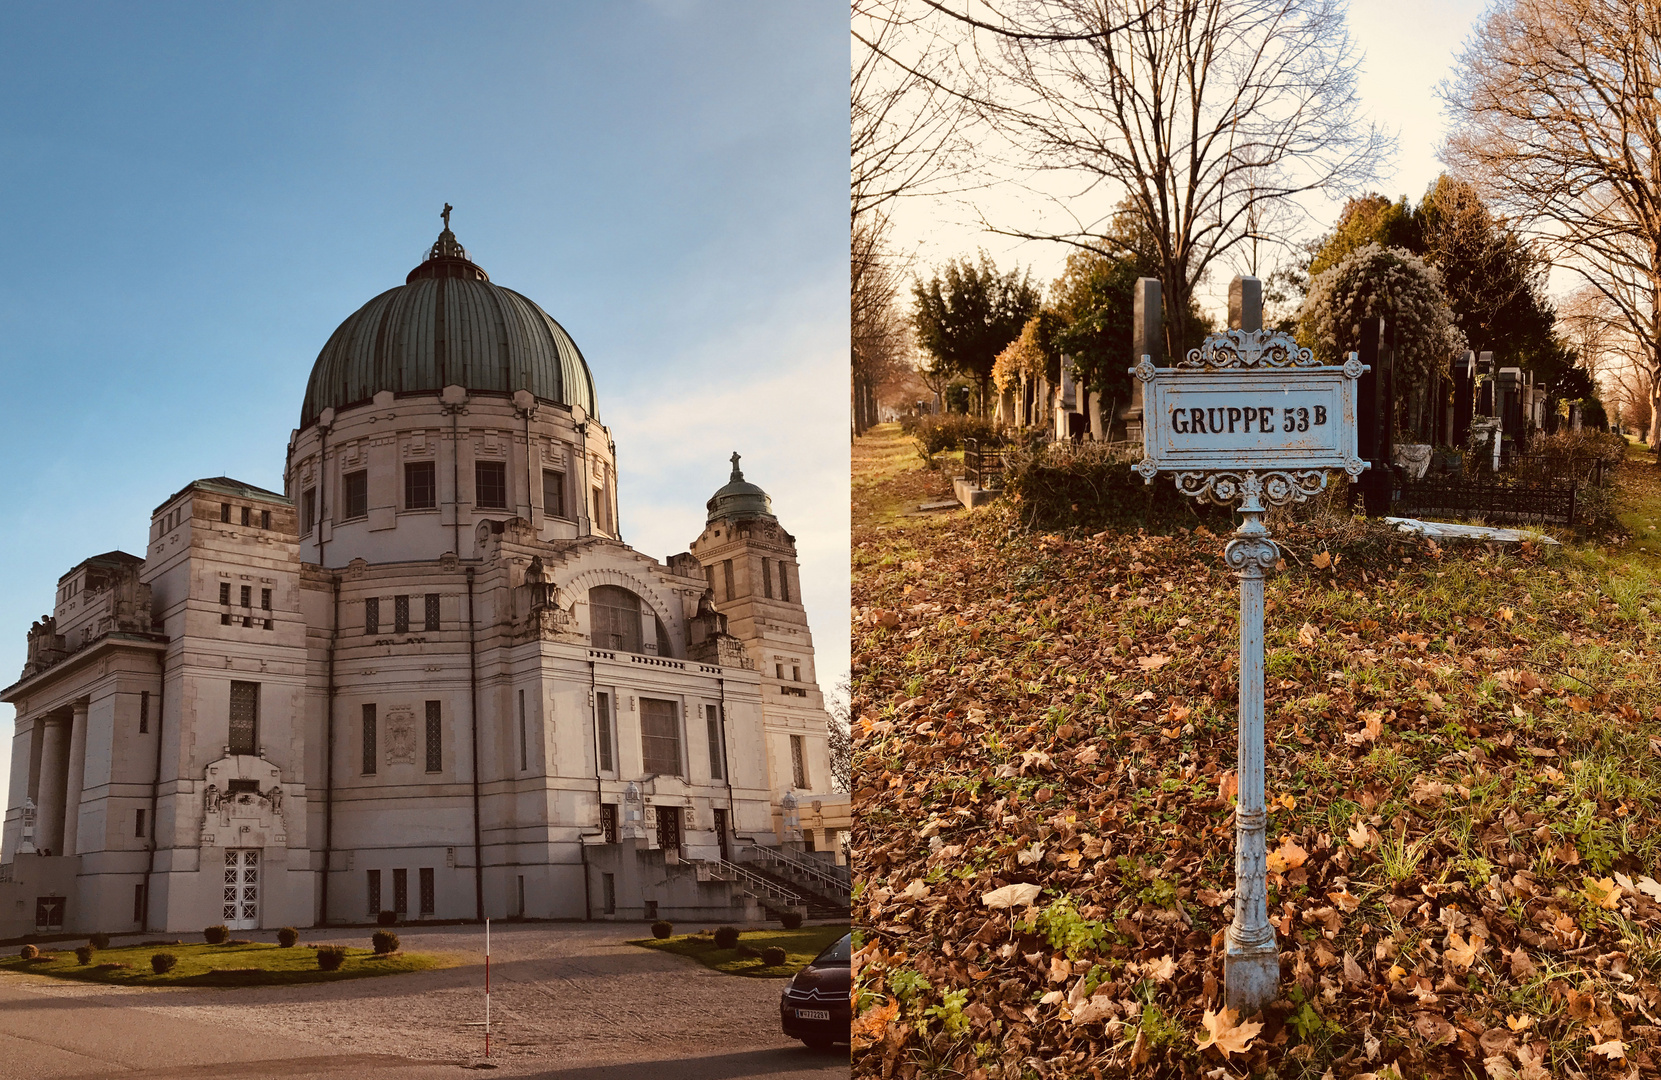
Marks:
<point>330,957</point>
<point>726,937</point>
<point>772,956</point>
<point>387,918</point>
<point>216,935</point>
<point>28,952</point>
<point>791,920</point>
<point>163,962</point>
<point>287,936</point>
<point>662,929</point>
<point>83,955</point>
<point>385,941</point>
<point>99,941</point>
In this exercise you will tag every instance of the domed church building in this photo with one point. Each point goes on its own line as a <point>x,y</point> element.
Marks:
<point>429,677</point>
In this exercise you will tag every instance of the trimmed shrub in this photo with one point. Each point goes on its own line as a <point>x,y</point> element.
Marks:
<point>772,956</point>
<point>726,937</point>
<point>163,962</point>
<point>28,952</point>
<point>1091,485</point>
<point>330,957</point>
<point>386,918</point>
<point>83,955</point>
<point>662,929</point>
<point>790,920</point>
<point>99,941</point>
<point>385,941</point>
<point>216,935</point>
<point>287,936</point>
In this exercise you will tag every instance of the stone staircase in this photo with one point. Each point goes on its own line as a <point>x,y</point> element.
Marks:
<point>819,906</point>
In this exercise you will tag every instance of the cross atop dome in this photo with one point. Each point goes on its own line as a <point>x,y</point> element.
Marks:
<point>737,473</point>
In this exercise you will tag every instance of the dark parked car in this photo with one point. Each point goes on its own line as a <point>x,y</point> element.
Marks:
<point>814,1007</point>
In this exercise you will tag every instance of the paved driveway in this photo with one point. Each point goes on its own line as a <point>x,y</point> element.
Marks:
<point>568,1001</point>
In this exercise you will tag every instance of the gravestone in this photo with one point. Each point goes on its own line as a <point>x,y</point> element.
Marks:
<point>1245,304</point>
<point>1464,396</point>
<point>1147,338</point>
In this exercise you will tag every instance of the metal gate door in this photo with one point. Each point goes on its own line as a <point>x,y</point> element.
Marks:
<point>241,908</point>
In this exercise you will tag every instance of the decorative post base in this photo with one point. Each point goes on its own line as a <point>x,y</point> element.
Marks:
<point>1251,976</point>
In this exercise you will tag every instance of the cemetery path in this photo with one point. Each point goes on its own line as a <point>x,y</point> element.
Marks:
<point>567,1000</point>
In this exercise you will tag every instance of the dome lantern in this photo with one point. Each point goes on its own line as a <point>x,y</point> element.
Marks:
<point>738,499</point>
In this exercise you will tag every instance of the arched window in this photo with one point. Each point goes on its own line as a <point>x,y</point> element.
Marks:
<point>614,618</point>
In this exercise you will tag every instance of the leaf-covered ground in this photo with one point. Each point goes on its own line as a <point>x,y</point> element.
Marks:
<point>1464,760</point>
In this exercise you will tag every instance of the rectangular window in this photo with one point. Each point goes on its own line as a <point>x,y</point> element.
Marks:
<point>144,712</point>
<point>355,494</point>
<point>767,578</point>
<point>602,719</point>
<point>660,737</point>
<point>225,619</point>
<point>225,513</point>
<point>490,484</point>
<point>369,755</point>
<point>265,519</point>
<point>795,674</point>
<point>245,717</point>
<point>608,894</point>
<point>247,595</point>
<point>713,722</point>
<point>420,485</point>
<point>521,878</point>
<point>138,903</point>
<point>427,891</point>
<point>726,571</point>
<point>400,891</point>
<point>308,510</point>
<point>374,892</point>
<point>431,612</point>
<point>247,515</point>
<point>372,615</point>
<point>784,580</point>
<point>265,599</point>
<point>224,592</point>
<point>400,614</point>
<point>523,760</point>
<point>138,826</point>
<point>435,737</point>
<point>798,763</point>
<point>600,524</point>
<point>608,822</point>
<point>778,670</point>
<point>553,493</point>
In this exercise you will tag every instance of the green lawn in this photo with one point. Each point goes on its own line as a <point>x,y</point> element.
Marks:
<point>800,946</point>
<point>257,964</point>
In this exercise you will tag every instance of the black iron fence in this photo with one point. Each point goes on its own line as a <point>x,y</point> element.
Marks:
<point>983,465</point>
<point>1490,498</point>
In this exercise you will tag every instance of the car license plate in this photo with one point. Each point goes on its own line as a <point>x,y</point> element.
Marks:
<point>813,1014</point>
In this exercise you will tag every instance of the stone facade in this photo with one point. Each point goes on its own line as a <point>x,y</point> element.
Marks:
<point>429,678</point>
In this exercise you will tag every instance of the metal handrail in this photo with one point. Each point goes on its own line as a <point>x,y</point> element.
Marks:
<point>756,881</point>
<point>805,866</point>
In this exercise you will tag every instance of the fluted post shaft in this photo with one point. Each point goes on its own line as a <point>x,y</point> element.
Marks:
<point>1251,964</point>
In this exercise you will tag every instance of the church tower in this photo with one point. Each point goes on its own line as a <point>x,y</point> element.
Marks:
<point>750,563</point>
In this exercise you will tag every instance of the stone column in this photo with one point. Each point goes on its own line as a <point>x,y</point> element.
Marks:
<point>54,765</point>
<point>1147,338</point>
<point>76,776</point>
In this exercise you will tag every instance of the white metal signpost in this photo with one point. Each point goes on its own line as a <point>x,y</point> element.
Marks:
<point>1250,420</point>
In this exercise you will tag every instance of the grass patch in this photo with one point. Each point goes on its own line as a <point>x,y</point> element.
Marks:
<point>1464,775</point>
<point>800,946</point>
<point>256,964</point>
<point>890,478</point>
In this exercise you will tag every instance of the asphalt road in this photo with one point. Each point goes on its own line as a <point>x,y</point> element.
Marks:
<point>569,1002</point>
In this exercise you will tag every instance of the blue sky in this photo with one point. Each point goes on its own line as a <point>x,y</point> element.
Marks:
<point>192,197</point>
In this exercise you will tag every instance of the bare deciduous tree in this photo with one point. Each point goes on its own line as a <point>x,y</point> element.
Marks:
<point>1210,117</point>
<point>1558,120</point>
<point>1592,327</point>
<point>904,140</point>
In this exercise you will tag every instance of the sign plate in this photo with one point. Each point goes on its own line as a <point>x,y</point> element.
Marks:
<point>1249,401</point>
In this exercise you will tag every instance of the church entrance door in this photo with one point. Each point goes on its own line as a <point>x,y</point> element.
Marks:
<point>669,828</point>
<point>241,908</point>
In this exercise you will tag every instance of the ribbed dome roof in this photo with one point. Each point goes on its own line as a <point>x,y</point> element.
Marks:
<point>738,499</point>
<point>448,325</point>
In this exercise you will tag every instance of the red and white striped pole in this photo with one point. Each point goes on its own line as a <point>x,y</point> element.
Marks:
<point>487,988</point>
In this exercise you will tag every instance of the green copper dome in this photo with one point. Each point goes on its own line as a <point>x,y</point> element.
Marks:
<point>448,325</point>
<point>738,499</point>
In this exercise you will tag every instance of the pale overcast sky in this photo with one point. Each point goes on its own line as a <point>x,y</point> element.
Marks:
<point>1409,48</point>
<point>195,194</point>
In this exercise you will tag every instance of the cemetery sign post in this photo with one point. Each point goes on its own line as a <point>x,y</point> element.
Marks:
<point>1250,420</point>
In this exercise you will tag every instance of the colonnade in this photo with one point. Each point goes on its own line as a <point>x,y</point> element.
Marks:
<point>61,736</point>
